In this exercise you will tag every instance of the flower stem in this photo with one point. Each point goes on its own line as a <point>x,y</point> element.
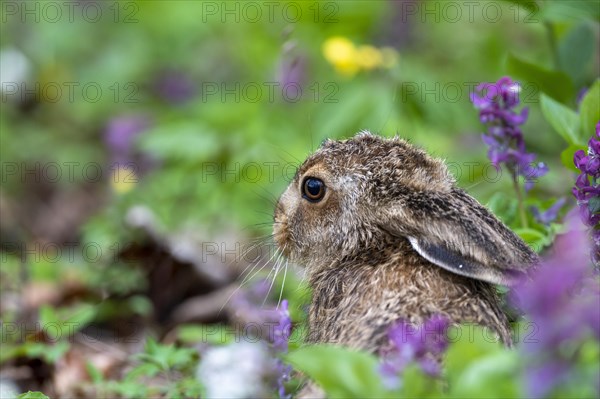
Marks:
<point>520,202</point>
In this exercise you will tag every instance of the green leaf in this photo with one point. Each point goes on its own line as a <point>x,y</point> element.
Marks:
<point>415,384</point>
<point>213,334</point>
<point>167,356</point>
<point>570,10</point>
<point>53,353</point>
<point>129,389</point>
<point>66,321</point>
<point>143,370</point>
<point>140,305</point>
<point>590,111</point>
<point>95,374</point>
<point>80,316</point>
<point>48,316</point>
<point>504,206</point>
<point>563,119</point>
<point>468,344</point>
<point>341,372</point>
<point>32,395</point>
<point>576,50</point>
<point>567,155</point>
<point>498,369</point>
<point>534,238</point>
<point>556,84</point>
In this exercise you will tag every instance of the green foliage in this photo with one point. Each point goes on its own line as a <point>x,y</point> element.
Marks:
<point>32,395</point>
<point>67,320</point>
<point>162,358</point>
<point>475,362</point>
<point>170,368</point>
<point>50,342</point>
<point>544,79</point>
<point>564,120</point>
<point>576,50</point>
<point>590,110</point>
<point>341,372</point>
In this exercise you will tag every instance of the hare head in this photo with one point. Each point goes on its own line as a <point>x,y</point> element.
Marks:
<point>353,198</point>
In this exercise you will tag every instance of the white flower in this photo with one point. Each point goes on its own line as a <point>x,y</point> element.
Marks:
<point>14,69</point>
<point>238,370</point>
<point>8,390</point>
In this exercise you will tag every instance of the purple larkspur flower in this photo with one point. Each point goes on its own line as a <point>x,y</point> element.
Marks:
<point>561,300</point>
<point>423,343</point>
<point>550,214</point>
<point>496,103</point>
<point>590,163</point>
<point>587,189</point>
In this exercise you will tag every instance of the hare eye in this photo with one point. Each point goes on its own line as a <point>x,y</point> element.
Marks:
<point>313,189</point>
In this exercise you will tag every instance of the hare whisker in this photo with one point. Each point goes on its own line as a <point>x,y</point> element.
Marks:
<point>283,283</point>
<point>276,271</point>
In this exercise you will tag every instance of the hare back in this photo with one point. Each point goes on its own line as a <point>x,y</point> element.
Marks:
<point>355,305</point>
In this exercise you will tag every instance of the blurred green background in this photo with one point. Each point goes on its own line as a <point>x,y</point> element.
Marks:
<point>203,84</point>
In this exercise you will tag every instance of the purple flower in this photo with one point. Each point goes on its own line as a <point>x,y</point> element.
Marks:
<point>122,130</point>
<point>561,300</point>
<point>292,71</point>
<point>281,335</point>
<point>282,330</point>
<point>174,87</point>
<point>120,135</point>
<point>587,189</point>
<point>589,163</point>
<point>248,306</point>
<point>292,76</point>
<point>542,379</point>
<point>424,344</point>
<point>550,214</point>
<point>504,138</point>
<point>275,324</point>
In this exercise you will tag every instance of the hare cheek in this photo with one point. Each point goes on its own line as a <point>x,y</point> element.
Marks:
<point>286,208</point>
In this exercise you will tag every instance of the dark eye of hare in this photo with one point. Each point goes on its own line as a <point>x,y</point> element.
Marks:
<point>313,189</point>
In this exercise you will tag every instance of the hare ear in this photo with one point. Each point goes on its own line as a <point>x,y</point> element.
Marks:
<point>454,231</point>
<point>456,262</point>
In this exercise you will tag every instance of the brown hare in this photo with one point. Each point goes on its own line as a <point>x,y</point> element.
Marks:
<point>385,234</point>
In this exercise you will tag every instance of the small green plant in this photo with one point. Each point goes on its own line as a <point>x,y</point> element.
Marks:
<point>161,370</point>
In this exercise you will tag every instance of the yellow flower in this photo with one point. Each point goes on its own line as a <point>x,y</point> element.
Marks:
<point>348,59</point>
<point>341,53</point>
<point>123,179</point>
<point>369,57</point>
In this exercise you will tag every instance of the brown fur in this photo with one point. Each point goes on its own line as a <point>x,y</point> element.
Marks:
<point>364,271</point>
